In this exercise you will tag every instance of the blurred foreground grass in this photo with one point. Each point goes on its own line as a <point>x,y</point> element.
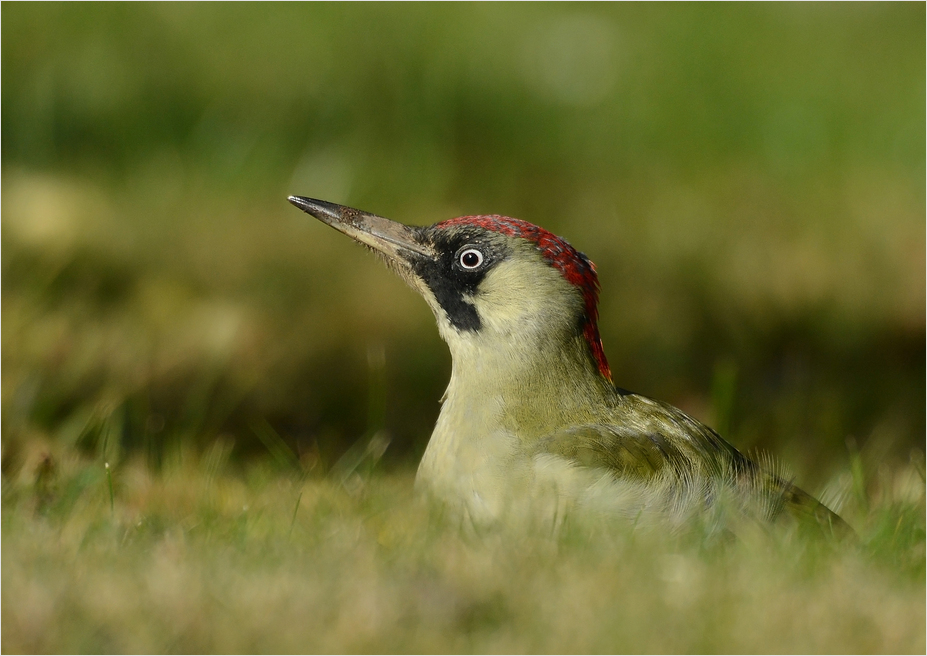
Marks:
<point>209,558</point>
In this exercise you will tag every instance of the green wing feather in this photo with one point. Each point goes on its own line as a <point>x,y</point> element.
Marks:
<point>648,440</point>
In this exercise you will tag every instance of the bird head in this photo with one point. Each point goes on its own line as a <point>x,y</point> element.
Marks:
<point>495,284</point>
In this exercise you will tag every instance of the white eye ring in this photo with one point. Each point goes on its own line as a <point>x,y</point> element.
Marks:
<point>470,259</point>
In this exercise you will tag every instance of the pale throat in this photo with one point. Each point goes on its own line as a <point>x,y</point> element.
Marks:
<point>523,382</point>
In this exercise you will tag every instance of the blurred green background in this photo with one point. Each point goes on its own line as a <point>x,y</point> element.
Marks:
<point>749,179</point>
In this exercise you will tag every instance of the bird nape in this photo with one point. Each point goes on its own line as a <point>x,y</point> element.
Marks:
<point>531,424</point>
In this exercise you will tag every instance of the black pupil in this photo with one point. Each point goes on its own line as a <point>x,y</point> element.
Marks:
<point>470,259</point>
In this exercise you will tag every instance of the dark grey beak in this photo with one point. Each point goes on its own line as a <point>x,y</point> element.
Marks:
<point>388,237</point>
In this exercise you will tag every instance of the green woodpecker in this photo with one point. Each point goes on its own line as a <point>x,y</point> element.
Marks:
<point>531,420</point>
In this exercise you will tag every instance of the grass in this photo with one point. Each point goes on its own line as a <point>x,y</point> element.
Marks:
<point>207,557</point>
<point>749,180</point>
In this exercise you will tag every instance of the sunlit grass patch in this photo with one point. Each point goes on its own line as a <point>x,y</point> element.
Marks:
<point>195,559</point>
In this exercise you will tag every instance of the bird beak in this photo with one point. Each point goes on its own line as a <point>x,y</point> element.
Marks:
<point>392,239</point>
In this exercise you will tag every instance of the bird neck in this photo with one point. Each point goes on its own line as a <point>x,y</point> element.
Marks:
<point>504,395</point>
<point>527,387</point>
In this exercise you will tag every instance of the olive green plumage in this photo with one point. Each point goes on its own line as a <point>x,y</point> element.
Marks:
<point>648,440</point>
<point>531,425</point>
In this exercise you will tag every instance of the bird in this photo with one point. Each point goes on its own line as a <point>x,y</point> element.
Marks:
<point>531,424</point>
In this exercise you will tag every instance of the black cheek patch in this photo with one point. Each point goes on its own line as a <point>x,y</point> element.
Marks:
<point>449,288</point>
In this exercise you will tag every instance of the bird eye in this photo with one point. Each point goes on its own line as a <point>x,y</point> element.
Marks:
<point>470,258</point>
